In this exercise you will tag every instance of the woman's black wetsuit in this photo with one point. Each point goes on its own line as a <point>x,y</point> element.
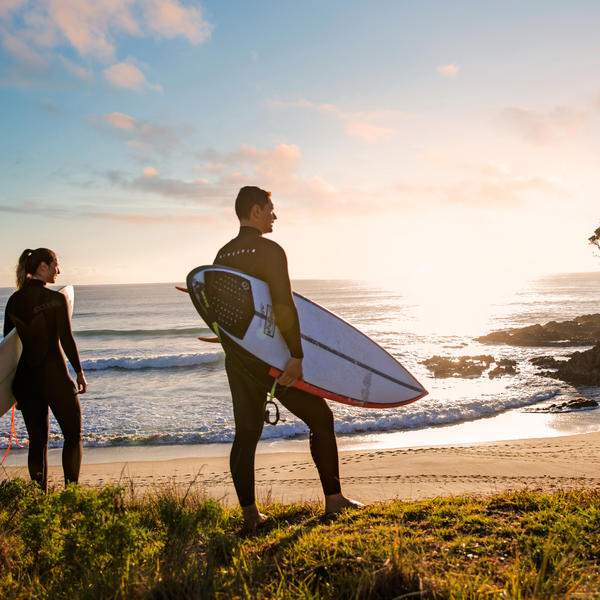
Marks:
<point>42,379</point>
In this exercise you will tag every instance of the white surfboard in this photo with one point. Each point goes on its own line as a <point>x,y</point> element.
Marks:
<point>10,353</point>
<point>340,363</point>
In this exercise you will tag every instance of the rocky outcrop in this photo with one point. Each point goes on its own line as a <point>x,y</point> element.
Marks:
<point>581,331</point>
<point>582,368</point>
<point>547,362</point>
<point>505,366</point>
<point>459,366</point>
<point>567,406</point>
<point>469,366</point>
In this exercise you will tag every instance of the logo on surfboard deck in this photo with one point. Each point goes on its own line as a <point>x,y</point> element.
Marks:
<point>269,321</point>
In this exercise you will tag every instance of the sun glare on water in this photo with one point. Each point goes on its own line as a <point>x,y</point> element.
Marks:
<point>455,303</point>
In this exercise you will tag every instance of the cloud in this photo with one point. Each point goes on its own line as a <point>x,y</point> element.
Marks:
<point>499,192</point>
<point>9,6</point>
<point>369,126</point>
<point>93,27</point>
<point>120,121</point>
<point>170,19</point>
<point>22,51</point>
<point>270,168</point>
<point>149,218</point>
<point>149,172</point>
<point>128,76</point>
<point>558,125</point>
<point>449,71</point>
<point>144,137</point>
<point>156,219</point>
<point>151,182</point>
<point>77,71</point>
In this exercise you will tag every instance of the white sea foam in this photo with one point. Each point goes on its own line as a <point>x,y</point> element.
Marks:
<point>151,362</point>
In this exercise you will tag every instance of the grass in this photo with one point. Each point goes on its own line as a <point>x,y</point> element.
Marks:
<point>83,543</point>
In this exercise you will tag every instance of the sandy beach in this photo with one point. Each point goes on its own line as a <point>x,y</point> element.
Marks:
<point>548,464</point>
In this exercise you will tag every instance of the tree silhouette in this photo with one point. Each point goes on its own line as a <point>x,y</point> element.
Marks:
<point>595,239</point>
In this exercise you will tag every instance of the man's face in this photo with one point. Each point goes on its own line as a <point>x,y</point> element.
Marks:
<point>266,217</point>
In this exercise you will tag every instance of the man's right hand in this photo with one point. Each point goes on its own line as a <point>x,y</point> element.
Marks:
<point>291,373</point>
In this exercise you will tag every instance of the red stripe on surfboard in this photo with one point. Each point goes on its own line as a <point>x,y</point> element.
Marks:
<point>317,391</point>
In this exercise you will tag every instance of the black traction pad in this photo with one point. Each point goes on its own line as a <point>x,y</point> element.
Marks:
<point>230,301</point>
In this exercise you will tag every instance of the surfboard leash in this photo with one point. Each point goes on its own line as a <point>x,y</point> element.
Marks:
<point>268,419</point>
<point>13,434</point>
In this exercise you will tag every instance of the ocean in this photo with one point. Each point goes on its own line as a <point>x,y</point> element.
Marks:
<point>152,383</point>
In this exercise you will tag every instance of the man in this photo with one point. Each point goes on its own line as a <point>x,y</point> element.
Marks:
<point>248,377</point>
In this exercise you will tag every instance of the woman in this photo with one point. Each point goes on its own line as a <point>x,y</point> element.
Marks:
<point>42,379</point>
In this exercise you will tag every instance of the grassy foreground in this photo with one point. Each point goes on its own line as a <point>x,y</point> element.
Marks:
<point>82,543</point>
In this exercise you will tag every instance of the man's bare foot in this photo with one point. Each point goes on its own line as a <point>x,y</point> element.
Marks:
<point>335,503</point>
<point>252,516</point>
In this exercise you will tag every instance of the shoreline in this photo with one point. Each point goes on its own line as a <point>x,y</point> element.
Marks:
<point>556,461</point>
<point>480,469</point>
<point>515,424</point>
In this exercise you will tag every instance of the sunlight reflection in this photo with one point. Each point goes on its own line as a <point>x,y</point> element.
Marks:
<point>455,303</point>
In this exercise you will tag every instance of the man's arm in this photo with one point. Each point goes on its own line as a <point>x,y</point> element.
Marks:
<point>286,315</point>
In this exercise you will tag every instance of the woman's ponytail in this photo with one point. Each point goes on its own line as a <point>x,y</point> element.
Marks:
<point>22,268</point>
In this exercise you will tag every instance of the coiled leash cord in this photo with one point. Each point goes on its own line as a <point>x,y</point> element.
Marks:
<point>13,434</point>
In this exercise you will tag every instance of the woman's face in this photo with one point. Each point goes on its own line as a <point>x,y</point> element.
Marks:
<point>48,273</point>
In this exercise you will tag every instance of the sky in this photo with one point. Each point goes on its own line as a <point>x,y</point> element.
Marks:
<point>401,140</point>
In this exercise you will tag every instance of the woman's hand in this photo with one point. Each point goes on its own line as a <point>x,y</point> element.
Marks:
<point>81,383</point>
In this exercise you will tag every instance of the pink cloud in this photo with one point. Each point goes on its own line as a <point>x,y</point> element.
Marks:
<point>9,6</point>
<point>21,50</point>
<point>450,71</point>
<point>120,121</point>
<point>80,72</point>
<point>93,27</point>
<point>127,76</point>
<point>88,26</point>
<point>147,139</point>
<point>150,172</point>
<point>545,128</point>
<point>170,19</point>
<point>369,126</point>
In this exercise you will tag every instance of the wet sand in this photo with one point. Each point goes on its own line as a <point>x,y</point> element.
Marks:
<point>548,464</point>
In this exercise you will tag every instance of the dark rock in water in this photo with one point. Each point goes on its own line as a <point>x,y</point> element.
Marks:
<point>582,368</point>
<point>460,366</point>
<point>547,362</point>
<point>581,331</point>
<point>575,404</point>
<point>505,366</point>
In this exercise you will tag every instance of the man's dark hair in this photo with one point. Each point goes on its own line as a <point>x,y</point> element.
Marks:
<point>247,197</point>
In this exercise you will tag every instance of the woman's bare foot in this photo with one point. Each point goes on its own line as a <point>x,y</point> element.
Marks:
<point>335,503</point>
<point>252,516</point>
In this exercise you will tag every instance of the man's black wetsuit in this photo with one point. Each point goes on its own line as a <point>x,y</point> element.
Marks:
<point>248,377</point>
<point>42,380</point>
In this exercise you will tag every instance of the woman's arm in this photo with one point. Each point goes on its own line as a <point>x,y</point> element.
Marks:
<point>8,322</point>
<point>67,341</point>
